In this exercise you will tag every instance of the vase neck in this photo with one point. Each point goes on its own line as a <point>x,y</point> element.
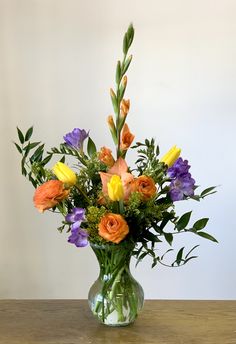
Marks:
<point>113,258</point>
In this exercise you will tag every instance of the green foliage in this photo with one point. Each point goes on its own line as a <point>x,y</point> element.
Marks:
<point>91,148</point>
<point>33,159</point>
<point>148,163</point>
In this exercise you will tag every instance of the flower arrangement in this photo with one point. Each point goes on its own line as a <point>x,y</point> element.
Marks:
<point>109,204</point>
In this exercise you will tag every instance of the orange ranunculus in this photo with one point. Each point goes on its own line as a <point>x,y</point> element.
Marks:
<point>113,227</point>
<point>49,194</point>
<point>126,138</point>
<point>106,157</point>
<point>145,186</point>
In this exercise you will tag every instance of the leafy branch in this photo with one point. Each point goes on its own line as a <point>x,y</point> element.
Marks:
<point>33,160</point>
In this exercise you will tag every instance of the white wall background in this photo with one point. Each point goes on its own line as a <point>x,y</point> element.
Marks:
<point>57,62</point>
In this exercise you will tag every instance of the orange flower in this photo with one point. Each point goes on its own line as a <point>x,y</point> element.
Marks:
<point>126,138</point>
<point>49,194</point>
<point>120,169</point>
<point>106,157</point>
<point>124,107</point>
<point>113,227</point>
<point>145,186</point>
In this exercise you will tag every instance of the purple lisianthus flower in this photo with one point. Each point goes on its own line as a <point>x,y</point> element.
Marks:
<point>182,183</point>
<point>180,167</point>
<point>76,138</point>
<point>181,187</point>
<point>78,236</point>
<point>77,215</point>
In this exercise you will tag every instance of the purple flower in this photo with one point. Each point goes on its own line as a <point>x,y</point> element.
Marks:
<point>181,187</point>
<point>76,138</point>
<point>78,235</point>
<point>182,183</point>
<point>180,167</point>
<point>77,215</point>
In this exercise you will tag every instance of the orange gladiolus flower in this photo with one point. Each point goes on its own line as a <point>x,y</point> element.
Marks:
<point>120,169</point>
<point>126,138</point>
<point>145,186</point>
<point>124,107</point>
<point>49,194</point>
<point>113,227</point>
<point>106,157</point>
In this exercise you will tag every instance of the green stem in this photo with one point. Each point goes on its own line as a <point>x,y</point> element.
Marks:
<point>83,193</point>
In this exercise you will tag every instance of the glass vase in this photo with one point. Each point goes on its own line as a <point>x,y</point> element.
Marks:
<point>116,297</point>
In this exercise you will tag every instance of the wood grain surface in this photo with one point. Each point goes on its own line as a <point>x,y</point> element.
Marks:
<point>160,322</point>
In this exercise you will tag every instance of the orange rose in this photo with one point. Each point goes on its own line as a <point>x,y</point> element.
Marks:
<point>113,227</point>
<point>145,186</point>
<point>126,138</point>
<point>106,157</point>
<point>49,194</point>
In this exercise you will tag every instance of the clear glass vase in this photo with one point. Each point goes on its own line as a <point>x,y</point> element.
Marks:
<point>116,297</point>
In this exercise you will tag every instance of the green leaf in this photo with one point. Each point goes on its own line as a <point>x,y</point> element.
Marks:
<point>31,145</point>
<point>195,197</point>
<point>167,216</point>
<point>183,221</point>
<point>31,179</point>
<point>18,147</point>
<point>118,72</point>
<point>157,228</point>
<point>125,44</point>
<point>200,224</point>
<point>28,134</point>
<point>206,236</point>
<point>23,169</point>
<point>179,256</point>
<point>188,259</point>
<point>130,34</point>
<point>127,63</point>
<point>37,156</point>
<point>169,238</point>
<point>47,159</point>
<point>170,249</point>
<point>155,261</point>
<point>206,191</point>
<point>20,135</point>
<point>26,149</point>
<point>191,251</point>
<point>63,159</point>
<point>91,148</point>
<point>150,236</point>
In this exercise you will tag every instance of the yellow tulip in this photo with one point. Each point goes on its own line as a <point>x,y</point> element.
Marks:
<point>171,156</point>
<point>115,188</point>
<point>64,174</point>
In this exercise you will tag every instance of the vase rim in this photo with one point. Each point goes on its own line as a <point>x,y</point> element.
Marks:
<point>111,245</point>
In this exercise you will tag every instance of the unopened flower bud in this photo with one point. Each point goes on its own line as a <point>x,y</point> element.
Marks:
<point>112,94</point>
<point>110,122</point>
<point>124,81</point>
<point>124,106</point>
<point>171,156</point>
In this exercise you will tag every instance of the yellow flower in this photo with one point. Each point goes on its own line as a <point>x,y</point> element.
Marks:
<point>171,156</point>
<point>115,188</point>
<point>64,174</point>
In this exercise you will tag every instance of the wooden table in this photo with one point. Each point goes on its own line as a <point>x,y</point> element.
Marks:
<point>161,322</point>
